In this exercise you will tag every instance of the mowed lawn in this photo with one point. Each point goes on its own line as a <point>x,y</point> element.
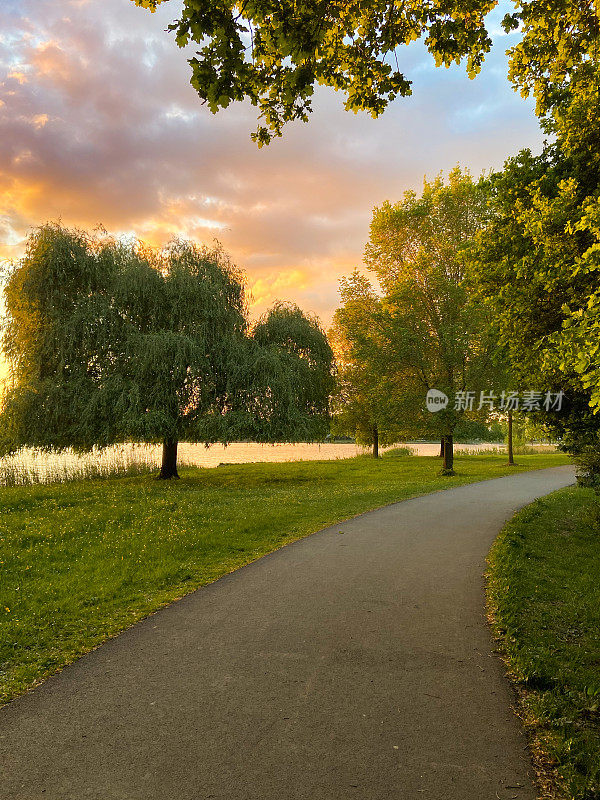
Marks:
<point>81,561</point>
<point>544,593</point>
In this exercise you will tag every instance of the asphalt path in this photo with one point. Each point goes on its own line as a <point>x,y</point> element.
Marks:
<point>355,663</point>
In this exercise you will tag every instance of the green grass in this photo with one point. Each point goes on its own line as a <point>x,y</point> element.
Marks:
<point>81,561</point>
<point>544,596</point>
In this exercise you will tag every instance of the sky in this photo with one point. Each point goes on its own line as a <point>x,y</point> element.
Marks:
<point>99,125</point>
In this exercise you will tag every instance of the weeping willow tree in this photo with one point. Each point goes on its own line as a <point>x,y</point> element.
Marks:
<point>304,363</point>
<point>110,342</point>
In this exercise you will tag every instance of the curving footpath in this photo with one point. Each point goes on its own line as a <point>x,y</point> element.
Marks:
<point>355,663</point>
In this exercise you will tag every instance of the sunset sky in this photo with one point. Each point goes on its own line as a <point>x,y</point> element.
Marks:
<point>98,124</point>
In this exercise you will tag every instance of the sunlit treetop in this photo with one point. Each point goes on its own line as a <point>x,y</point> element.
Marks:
<point>274,52</point>
<point>558,53</point>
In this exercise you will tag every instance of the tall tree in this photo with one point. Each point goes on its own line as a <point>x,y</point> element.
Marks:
<point>536,265</point>
<point>433,333</point>
<point>274,54</point>
<point>110,343</point>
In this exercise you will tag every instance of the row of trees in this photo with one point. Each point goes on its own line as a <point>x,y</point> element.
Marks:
<point>110,342</point>
<point>487,285</point>
<point>423,329</point>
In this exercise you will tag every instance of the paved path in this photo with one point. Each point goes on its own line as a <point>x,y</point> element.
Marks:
<point>342,666</point>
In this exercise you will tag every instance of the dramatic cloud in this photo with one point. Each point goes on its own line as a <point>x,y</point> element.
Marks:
<point>98,124</point>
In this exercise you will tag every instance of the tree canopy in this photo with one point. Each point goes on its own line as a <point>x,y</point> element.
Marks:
<point>536,264</point>
<point>111,342</point>
<point>275,53</point>
<point>425,331</point>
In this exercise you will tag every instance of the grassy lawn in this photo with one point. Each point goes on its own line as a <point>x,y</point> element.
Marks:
<point>544,594</point>
<point>82,561</point>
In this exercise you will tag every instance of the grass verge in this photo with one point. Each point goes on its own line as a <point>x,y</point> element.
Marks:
<point>544,601</point>
<point>82,561</point>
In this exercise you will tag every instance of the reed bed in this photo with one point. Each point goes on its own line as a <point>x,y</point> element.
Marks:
<point>32,467</point>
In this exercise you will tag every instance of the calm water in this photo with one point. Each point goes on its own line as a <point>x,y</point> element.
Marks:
<point>42,467</point>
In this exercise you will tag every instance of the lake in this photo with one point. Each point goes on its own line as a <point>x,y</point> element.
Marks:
<point>31,466</point>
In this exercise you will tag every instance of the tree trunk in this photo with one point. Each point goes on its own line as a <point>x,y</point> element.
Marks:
<point>511,460</point>
<point>375,442</point>
<point>448,453</point>
<point>168,468</point>
<point>442,447</point>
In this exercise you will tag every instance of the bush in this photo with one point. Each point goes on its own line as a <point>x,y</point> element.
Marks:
<point>588,468</point>
<point>398,452</point>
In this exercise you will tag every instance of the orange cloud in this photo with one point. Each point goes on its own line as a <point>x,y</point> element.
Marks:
<point>17,75</point>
